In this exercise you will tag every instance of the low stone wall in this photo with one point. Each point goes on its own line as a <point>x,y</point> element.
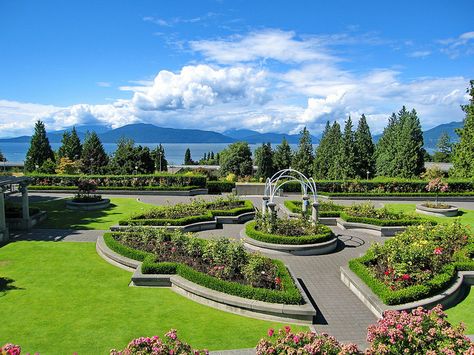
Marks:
<point>452,211</point>
<point>381,231</point>
<point>249,189</point>
<point>26,224</point>
<point>447,298</point>
<point>87,206</point>
<point>300,314</point>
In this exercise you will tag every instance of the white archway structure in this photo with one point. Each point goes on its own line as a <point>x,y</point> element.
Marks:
<point>283,177</point>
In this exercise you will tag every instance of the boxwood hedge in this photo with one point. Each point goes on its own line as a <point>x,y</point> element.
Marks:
<point>295,207</point>
<point>217,187</point>
<point>385,222</point>
<point>289,295</point>
<point>324,236</point>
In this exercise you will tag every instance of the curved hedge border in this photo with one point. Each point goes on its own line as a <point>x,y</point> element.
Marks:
<point>124,188</point>
<point>208,216</point>
<point>385,222</point>
<point>295,207</point>
<point>290,295</point>
<point>282,239</point>
<point>416,292</point>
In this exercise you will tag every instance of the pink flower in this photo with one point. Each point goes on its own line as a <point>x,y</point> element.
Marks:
<point>287,329</point>
<point>296,339</point>
<point>405,277</point>
<point>438,251</point>
<point>270,332</point>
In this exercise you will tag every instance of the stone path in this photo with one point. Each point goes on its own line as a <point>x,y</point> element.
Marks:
<point>58,235</point>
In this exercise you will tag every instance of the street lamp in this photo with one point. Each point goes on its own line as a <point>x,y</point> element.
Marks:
<point>368,172</point>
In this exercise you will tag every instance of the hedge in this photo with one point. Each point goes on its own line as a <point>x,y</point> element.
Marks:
<point>289,295</point>
<point>401,194</point>
<point>251,232</point>
<point>385,222</point>
<point>412,293</point>
<point>295,207</point>
<point>217,187</point>
<point>247,206</point>
<point>121,188</point>
<point>380,185</point>
<point>162,179</point>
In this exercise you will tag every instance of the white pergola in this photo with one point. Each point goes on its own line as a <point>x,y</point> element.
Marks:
<point>11,183</point>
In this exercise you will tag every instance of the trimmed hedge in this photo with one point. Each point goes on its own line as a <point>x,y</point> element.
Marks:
<point>412,293</point>
<point>290,295</point>
<point>122,188</point>
<point>162,179</point>
<point>247,206</point>
<point>295,207</point>
<point>380,185</point>
<point>282,239</point>
<point>401,194</point>
<point>217,187</point>
<point>385,222</point>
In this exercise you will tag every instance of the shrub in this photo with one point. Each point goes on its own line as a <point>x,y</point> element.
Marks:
<point>417,332</point>
<point>170,344</point>
<point>10,349</point>
<point>325,209</point>
<point>217,187</point>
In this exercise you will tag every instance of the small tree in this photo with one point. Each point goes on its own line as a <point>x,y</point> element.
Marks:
<point>124,159</point>
<point>158,156</point>
<point>264,161</point>
<point>437,185</point>
<point>282,156</point>
<point>187,157</point>
<point>94,160</point>
<point>364,150</point>
<point>2,157</point>
<point>66,166</point>
<point>40,149</point>
<point>303,158</point>
<point>236,159</point>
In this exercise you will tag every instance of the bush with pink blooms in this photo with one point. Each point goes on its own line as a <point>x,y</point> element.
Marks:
<point>417,332</point>
<point>286,342</point>
<point>437,185</point>
<point>10,349</point>
<point>169,345</point>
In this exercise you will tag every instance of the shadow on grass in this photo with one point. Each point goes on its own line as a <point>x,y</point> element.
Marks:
<point>6,284</point>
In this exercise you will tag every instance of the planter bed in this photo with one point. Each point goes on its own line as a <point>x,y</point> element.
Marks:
<point>451,211</point>
<point>292,208</point>
<point>317,244</point>
<point>396,196</point>
<point>290,305</point>
<point>424,265</point>
<point>88,206</point>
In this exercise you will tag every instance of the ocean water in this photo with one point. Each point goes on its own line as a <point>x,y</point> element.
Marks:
<point>174,152</point>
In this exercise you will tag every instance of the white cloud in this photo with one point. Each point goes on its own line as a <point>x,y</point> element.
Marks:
<point>104,84</point>
<point>419,54</point>
<point>454,47</point>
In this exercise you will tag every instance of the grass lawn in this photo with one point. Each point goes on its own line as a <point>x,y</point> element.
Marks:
<point>64,298</point>
<point>59,217</point>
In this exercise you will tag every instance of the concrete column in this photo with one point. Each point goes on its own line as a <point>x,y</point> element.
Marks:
<point>304,206</point>
<point>264,204</point>
<point>25,205</point>
<point>314,213</point>
<point>271,206</point>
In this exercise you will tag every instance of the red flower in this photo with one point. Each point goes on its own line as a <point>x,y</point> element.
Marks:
<point>387,272</point>
<point>270,332</point>
<point>406,277</point>
<point>278,281</point>
<point>438,251</point>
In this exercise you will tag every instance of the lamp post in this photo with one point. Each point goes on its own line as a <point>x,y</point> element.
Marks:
<point>368,172</point>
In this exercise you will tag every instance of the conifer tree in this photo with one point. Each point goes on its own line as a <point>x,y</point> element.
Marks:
<point>94,160</point>
<point>212,155</point>
<point>158,156</point>
<point>321,159</point>
<point>364,150</point>
<point>444,145</point>
<point>386,148</point>
<point>236,159</point>
<point>410,153</point>
<point>282,156</point>
<point>40,149</point>
<point>347,152</point>
<point>2,157</point>
<point>334,153</point>
<point>63,149</point>
<point>463,156</point>
<point>75,146</point>
<point>187,157</point>
<point>124,159</point>
<point>303,158</point>
<point>264,161</point>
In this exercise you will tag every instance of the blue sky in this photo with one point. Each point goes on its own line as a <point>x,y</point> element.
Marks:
<point>264,65</point>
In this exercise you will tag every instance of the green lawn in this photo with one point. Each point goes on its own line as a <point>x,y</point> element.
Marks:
<point>59,217</point>
<point>64,298</point>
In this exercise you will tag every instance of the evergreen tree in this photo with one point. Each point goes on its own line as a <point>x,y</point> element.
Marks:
<point>40,149</point>
<point>75,146</point>
<point>348,162</point>
<point>463,156</point>
<point>265,161</point>
<point>212,155</point>
<point>236,159</point>
<point>282,156</point>
<point>187,157</point>
<point>303,158</point>
<point>410,153</point>
<point>386,148</point>
<point>158,156</point>
<point>444,145</point>
<point>63,149</point>
<point>144,161</point>
<point>2,157</point>
<point>364,150</point>
<point>124,159</point>
<point>321,159</point>
<point>334,157</point>
<point>94,160</point>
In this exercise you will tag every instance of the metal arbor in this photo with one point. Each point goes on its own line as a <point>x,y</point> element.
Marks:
<point>283,177</point>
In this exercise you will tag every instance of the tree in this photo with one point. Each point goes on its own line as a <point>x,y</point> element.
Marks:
<point>94,160</point>
<point>282,156</point>
<point>75,146</point>
<point>187,157</point>
<point>264,161</point>
<point>158,156</point>
<point>2,157</point>
<point>444,145</point>
<point>303,158</point>
<point>144,160</point>
<point>40,149</point>
<point>321,159</point>
<point>385,149</point>
<point>334,157</point>
<point>463,156</point>
<point>364,150</point>
<point>236,159</point>
<point>347,152</point>
<point>63,149</point>
<point>66,166</point>
<point>128,159</point>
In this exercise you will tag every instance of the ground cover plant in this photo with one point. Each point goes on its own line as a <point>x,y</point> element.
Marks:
<point>59,315</point>
<point>221,264</point>
<point>268,229</point>
<point>325,209</point>
<point>367,213</point>
<point>195,211</point>
<point>59,217</point>
<point>417,263</point>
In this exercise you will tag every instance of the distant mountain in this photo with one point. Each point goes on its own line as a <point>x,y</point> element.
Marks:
<point>432,135</point>
<point>239,133</point>
<point>254,137</point>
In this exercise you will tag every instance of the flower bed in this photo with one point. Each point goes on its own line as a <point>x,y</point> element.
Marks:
<point>186,213</point>
<point>325,209</point>
<point>220,265</point>
<point>368,214</point>
<point>417,263</point>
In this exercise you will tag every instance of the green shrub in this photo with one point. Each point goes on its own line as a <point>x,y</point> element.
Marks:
<point>385,222</point>
<point>217,187</point>
<point>326,208</point>
<point>121,188</point>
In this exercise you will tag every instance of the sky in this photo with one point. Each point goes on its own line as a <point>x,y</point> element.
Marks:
<point>220,64</point>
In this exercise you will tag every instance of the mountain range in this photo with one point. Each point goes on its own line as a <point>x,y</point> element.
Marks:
<point>148,133</point>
